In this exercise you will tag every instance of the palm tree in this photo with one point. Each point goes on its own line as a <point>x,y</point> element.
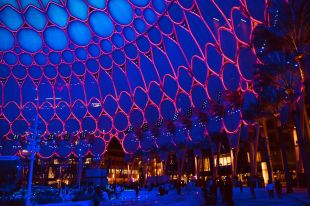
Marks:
<point>232,101</point>
<point>216,109</point>
<point>282,46</point>
<point>279,134</point>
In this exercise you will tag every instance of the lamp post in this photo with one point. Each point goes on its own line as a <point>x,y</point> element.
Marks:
<point>80,170</point>
<point>81,148</point>
<point>33,146</point>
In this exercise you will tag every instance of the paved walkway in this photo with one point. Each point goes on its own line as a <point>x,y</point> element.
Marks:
<point>299,198</point>
<point>194,198</point>
<point>244,198</point>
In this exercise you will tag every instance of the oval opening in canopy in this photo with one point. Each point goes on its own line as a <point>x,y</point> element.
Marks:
<point>119,70</point>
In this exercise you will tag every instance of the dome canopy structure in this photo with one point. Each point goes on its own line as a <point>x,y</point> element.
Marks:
<point>110,67</point>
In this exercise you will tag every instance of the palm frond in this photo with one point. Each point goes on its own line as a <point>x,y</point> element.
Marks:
<point>278,79</point>
<point>265,40</point>
<point>289,20</point>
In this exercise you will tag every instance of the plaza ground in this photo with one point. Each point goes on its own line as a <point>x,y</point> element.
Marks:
<point>194,198</point>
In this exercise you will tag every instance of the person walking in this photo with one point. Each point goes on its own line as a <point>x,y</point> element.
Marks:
<point>240,185</point>
<point>278,187</point>
<point>252,184</point>
<point>221,188</point>
<point>270,189</point>
<point>136,187</point>
<point>213,192</point>
<point>228,192</point>
<point>178,186</point>
<point>97,198</point>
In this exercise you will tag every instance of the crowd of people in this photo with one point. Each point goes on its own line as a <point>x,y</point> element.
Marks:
<point>225,187</point>
<point>91,192</point>
<point>214,190</point>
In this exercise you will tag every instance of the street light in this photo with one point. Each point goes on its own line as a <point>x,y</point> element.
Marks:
<point>33,146</point>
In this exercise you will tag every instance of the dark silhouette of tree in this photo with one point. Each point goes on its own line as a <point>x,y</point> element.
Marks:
<point>282,47</point>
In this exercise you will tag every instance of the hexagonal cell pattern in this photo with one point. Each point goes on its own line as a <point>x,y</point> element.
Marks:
<point>110,68</point>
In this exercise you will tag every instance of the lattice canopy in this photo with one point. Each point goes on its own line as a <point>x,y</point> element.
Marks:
<point>139,70</point>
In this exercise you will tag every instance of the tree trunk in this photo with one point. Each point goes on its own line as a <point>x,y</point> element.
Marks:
<point>203,165</point>
<point>297,156</point>
<point>268,158</point>
<point>302,102</point>
<point>219,144</point>
<point>32,159</point>
<point>212,164</point>
<point>131,166</point>
<point>253,152</point>
<point>252,161</point>
<point>80,171</point>
<point>307,129</point>
<point>146,171</point>
<point>234,161</point>
<point>179,168</point>
<point>267,151</point>
<point>164,166</point>
<point>128,169</point>
<point>301,119</point>
<point>289,188</point>
<point>234,150</point>
<point>199,166</point>
<point>303,145</point>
